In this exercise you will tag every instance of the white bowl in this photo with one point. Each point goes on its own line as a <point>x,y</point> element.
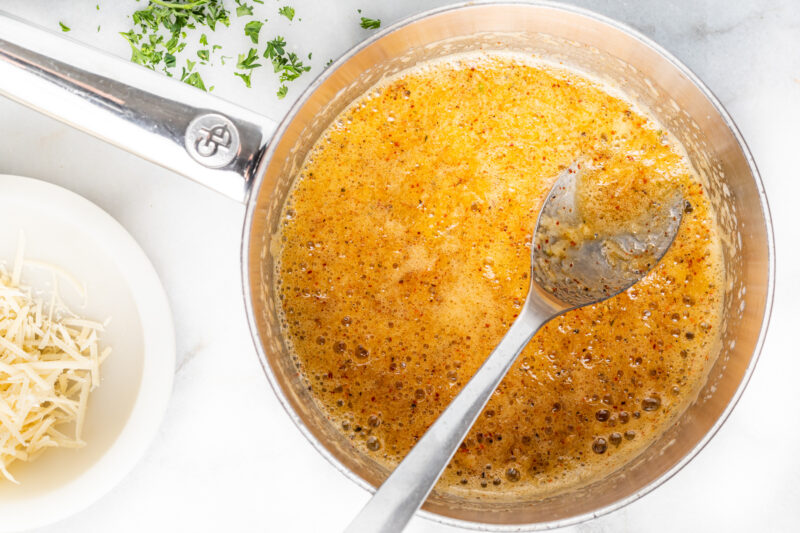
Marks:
<point>125,412</point>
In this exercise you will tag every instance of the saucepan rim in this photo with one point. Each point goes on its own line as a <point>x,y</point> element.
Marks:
<point>643,40</point>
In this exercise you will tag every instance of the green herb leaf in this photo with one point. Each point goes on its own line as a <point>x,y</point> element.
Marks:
<point>370,24</point>
<point>287,12</point>
<point>287,64</point>
<point>245,77</point>
<point>161,28</point>
<point>252,29</point>
<point>275,48</point>
<point>248,61</point>
<point>64,27</point>
<point>195,80</point>
<point>137,54</point>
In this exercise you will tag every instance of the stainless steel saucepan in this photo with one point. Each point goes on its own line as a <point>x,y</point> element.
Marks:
<point>249,158</point>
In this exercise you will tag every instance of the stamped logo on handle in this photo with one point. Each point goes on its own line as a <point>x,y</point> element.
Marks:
<point>212,140</point>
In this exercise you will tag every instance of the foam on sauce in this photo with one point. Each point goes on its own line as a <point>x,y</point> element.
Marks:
<point>405,256</point>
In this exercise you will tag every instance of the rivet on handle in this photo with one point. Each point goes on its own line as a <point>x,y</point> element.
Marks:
<point>212,140</point>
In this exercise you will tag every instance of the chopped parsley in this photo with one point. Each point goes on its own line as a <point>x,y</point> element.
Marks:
<point>162,30</point>
<point>287,12</point>
<point>192,78</point>
<point>243,9</point>
<point>248,61</point>
<point>370,24</point>
<point>252,29</point>
<point>275,48</point>
<point>245,77</point>
<point>286,63</point>
<point>195,80</point>
<point>64,27</point>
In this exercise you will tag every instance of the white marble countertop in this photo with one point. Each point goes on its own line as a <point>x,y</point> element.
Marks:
<point>270,478</point>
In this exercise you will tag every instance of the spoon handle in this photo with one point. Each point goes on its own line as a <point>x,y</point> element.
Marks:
<point>406,489</point>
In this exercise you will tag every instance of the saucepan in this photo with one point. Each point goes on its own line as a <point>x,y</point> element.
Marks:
<point>253,160</point>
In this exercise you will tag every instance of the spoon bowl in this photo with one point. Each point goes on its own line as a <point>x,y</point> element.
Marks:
<point>579,264</point>
<point>572,264</point>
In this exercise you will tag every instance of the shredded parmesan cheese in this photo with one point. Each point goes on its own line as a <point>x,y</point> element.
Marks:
<point>49,363</point>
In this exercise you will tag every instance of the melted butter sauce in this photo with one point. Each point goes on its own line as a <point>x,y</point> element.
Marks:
<point>405,256</point>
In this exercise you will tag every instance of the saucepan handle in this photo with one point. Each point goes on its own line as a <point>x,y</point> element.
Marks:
<point>207,139</point>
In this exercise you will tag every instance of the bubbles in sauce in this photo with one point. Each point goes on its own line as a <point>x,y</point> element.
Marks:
<point>405,257</point>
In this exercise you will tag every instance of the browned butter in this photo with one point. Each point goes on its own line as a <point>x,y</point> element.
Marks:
<point>405,256</point>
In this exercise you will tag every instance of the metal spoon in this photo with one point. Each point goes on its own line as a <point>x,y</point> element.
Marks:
<point>565,275</point>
